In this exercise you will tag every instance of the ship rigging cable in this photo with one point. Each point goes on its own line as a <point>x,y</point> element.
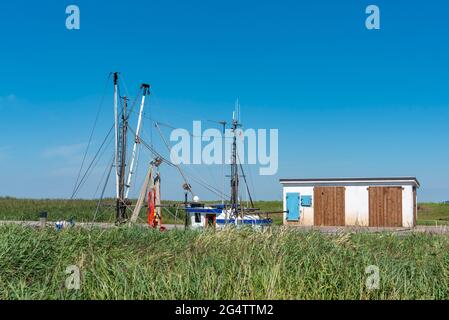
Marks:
<point>79,182</point>
<point>82,177</point>
<point>92,132</point>
<point>216,191</point>
<point>171,164</point>
<point>86,173</point>
<point>104,189</point>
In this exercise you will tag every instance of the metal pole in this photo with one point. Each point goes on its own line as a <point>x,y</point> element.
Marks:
<point>157,186</point>
<point>186,221</point>
<point>116,133</point>
<point>234,169</point>
<point>43,219</point>
<point>146,91</point>
<point>122,205</point>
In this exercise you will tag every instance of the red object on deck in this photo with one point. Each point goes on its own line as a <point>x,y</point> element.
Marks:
<point>153,220</point>
<point>151,204</point>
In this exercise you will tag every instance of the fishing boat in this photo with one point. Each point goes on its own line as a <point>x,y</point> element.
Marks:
<point>219,216</point>
<point>230,212</point>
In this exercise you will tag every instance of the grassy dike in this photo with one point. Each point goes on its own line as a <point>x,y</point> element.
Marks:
<point>136,263</point>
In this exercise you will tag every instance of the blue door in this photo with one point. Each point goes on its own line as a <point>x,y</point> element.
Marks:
<point>293,206</point>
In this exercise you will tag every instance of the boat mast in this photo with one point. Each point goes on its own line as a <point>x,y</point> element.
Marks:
<point>121,203</point>
<point>234,167</point>
<point>146,91</point>
<point>116,124</point>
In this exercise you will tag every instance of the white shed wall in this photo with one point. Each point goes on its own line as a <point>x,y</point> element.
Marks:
<point>407,206</point>
<point>356,205</point>
<point>306,213</point>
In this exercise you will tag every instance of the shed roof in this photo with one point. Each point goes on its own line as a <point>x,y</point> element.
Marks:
<point>355,181</point>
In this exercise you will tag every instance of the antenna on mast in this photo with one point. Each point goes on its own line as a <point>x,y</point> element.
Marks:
<point>235,112</point>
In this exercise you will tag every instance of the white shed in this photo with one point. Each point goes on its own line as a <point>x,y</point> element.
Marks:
<point>373,202</point>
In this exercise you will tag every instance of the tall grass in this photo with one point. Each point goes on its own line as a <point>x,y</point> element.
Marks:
<point>136,263</point>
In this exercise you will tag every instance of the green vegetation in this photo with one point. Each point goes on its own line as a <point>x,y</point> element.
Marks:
<point>59,209</point>
<point>433,213</point>
<point>28,209</point>
<point>137,263</point>
<point>83,210</point>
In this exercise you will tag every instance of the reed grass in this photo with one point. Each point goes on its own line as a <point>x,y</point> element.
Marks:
<point>137,263</point>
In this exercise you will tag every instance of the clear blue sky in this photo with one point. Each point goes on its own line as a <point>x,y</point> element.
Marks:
<point>347,101</point>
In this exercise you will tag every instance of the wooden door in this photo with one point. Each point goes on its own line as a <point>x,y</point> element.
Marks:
<point>385,206</point>
<point>329,206</point>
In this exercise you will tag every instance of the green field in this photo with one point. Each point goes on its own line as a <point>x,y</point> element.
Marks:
<point>433,214</point>
<point>83,210</point>
<point>138,263</point>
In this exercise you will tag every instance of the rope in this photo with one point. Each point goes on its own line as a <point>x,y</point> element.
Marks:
<point>169,163</point>
<point>90,165</point>
<point>92,132</point>
<point>174,128</point>
<point>244,179</point>
<point>210,188</point>
<point>104,189</point>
